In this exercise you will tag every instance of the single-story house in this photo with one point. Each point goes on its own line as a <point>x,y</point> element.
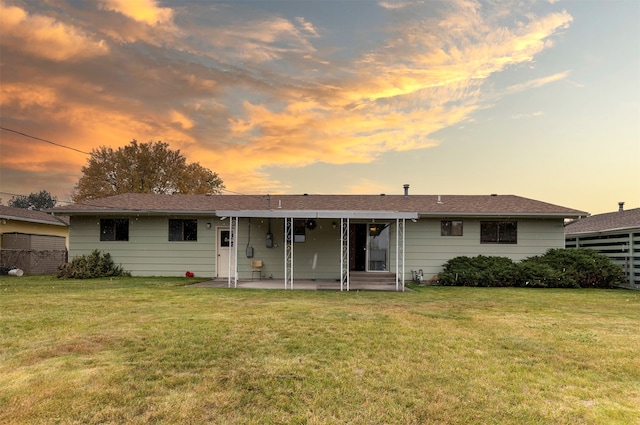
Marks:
<point>615,234</point>
<point>33,241</point>
<point>336,238</point>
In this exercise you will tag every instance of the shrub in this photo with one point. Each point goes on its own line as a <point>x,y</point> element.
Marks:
<point>539,275</point>
<point>585,268</point>
<point>91,266</point>
<point>557,268</point>
<point>478,271</point>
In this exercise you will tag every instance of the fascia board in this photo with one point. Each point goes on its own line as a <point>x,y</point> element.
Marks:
<point>317,214</point>
<point>501,215</point>
<point>33,220</point>
<point>135,212</point>
<point>600,232</point>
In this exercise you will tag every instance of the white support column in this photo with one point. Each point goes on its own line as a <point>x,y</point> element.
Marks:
<point>344,254</point>
<point>288,253</point>
<point>397,250</point>
<point>404,228</point>
<point>232,275</point>
<point>235,253</point>
<point>400,231</point>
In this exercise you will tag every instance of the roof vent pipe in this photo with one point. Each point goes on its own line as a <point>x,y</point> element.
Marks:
<point>406,190</point>
<point>620,206</point>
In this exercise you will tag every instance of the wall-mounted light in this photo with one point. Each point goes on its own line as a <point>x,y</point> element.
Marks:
<point>3,221</point>
<point>334,225</point>
<point>208,225</point>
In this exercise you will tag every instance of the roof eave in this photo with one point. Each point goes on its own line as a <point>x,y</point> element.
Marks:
<point>577,214</point>
<point>591,232</point>
<point>355,214</point>
<point>33,220</point>
<point>134,211</point>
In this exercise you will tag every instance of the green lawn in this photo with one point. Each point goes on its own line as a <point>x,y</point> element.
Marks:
<point>139,351</point>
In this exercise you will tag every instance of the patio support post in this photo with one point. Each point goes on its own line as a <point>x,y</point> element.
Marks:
<point>235,254</point>
<point>344,253</point>
<point>400,231</point>
<point>288,253</point>
<point>232,276</point>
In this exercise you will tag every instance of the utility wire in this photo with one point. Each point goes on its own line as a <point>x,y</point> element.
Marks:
<point>44,140</point>
<point>88,153</point>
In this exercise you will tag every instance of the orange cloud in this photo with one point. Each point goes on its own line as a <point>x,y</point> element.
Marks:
<point>242,115</point>
<point>45,37</point>
<point>386,106</point>
<point>146,11</point>
<point>23,96</point>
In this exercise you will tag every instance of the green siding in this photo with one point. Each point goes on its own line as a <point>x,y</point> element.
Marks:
<point>427,250</point>
<point>316,258</point>
<point>149,253</point>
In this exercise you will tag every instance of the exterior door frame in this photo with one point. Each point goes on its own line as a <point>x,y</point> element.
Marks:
<point>223,249</point>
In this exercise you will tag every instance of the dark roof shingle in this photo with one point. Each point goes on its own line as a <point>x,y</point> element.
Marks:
<point>618,220</point>
<point>422,204</point>
<point>22,214</point>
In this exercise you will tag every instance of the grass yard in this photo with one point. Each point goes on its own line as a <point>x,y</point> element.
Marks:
<point>142,350</point>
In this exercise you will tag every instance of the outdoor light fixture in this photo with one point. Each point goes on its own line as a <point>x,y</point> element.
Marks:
<point>208,225</point>
<point>334,225</point>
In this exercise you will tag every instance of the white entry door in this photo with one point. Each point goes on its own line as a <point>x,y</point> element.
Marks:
<point>224,252</point>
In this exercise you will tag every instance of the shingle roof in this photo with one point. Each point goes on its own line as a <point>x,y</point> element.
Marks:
<point>422,204</point>
<point>22,214</point>
<point>619,220</point>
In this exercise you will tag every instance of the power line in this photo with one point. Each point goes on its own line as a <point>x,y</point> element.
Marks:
<point>12,194</point>
<point>44,140</point>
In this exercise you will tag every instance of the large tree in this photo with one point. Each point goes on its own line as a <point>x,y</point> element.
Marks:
<point>34,201</point>
<point>142,168</point>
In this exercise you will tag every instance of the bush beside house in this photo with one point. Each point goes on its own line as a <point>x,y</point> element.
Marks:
<point>91,266</point>
<point>557,268</point>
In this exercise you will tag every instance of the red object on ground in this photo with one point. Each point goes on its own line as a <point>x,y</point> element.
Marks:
<point>189,274</point>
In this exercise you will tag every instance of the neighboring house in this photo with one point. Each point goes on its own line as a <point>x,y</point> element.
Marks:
<point>310,237</point>
<point>615,234</point>
<point>33,241</point>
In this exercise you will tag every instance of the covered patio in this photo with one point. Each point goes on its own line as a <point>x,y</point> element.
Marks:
<point>395,218</point>
<point>300,284</point>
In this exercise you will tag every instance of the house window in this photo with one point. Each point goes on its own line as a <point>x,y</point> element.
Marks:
<point>183,229</point>
<point>451,228</point>
<point>499,232</point>
<point>114,229</point>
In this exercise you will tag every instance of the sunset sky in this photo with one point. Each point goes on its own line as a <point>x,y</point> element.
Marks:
<point>538,99</point>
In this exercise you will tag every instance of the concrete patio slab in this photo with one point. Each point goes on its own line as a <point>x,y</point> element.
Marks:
<point>308,285</point>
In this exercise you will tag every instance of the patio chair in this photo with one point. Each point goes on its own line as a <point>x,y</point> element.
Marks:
<point>256,267</point>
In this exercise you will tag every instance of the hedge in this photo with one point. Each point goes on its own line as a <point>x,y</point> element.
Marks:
<point>557,268</point>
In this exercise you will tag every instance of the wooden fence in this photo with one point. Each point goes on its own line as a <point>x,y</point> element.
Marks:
<point>33,261</point>
<point>622,247</point>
